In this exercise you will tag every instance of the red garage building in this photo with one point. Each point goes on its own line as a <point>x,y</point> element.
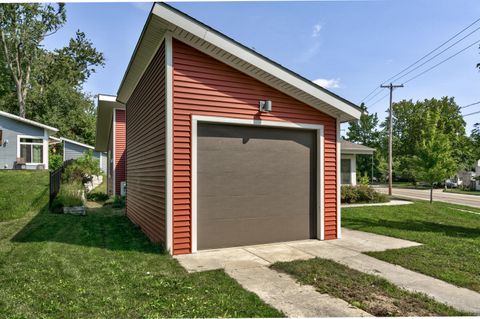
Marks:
<point>224,147</point>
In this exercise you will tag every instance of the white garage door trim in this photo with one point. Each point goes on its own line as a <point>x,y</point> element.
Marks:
<point>224,120</point>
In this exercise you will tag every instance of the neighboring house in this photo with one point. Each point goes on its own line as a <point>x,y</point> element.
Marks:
<point>73,150</point>
<point>110,138</point>
<point>349,160</point>
<point>477,174</point>
<point>23,142</point>
<point>224,146</point>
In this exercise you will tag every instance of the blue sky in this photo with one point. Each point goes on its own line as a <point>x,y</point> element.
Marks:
<point>351,46</point>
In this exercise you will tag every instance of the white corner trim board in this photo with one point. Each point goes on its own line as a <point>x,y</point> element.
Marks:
<point>224,120</point>
<point>339,182</point>
<point>169,141</point>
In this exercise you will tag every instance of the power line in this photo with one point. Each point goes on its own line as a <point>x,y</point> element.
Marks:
<point>441,62</point>
<point>380,99</point>
<point>436,55</point>
<point>372,97</point>
<point>468,105</point>
<point>423,57</point>
<point>471,113</point>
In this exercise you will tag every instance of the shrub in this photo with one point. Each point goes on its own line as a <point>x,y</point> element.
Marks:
<point>82,169</point>
<point>55,161</point>
<point>362,194</point>
<point>363,180</point>
<point>97,197</point>
<point>116,202</point>
<point>70,195</point>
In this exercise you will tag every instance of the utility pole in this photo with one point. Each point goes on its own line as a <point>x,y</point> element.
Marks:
<point>390,131</point>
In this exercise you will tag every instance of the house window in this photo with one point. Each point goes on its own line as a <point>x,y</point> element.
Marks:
<point>346,171</point>
<point>31,150</point>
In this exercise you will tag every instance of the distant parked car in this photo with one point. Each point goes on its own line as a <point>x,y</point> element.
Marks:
<point>450,184</point>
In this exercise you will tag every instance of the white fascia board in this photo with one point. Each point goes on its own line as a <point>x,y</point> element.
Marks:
<point>51,130</point>
<point>107,98</point>
<point>357,152</point>
<point>222,42</point>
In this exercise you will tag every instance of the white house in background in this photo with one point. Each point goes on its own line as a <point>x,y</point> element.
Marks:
<point>477,174</point>
<point>23,142</point>
<point>73,150</point>
<point>348,163</point>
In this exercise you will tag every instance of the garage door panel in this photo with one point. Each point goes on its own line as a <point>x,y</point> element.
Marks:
<point>254,185</point>
<point>262,184</point>
<point>250,207</point>
<point>249,160</point>
<point>241,232</point>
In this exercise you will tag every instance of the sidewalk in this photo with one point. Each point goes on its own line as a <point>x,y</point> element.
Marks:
<point>249,266</point>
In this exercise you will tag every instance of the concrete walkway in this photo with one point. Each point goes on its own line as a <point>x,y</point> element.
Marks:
<point>393,202</point>
<point>438,195</point>
<point>249,266</point>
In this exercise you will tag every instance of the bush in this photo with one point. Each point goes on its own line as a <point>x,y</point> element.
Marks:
<point>82,169</point>
<point>70,195</point>
<point>116,202</point>
<point>363,180</point>
<point>55,161</point>
<point>97,197</point>
<point>362,194</point>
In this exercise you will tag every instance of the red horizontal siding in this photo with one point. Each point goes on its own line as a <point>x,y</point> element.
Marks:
<point>205,86</point>
<point>146,145</point>
<point>120,143</point>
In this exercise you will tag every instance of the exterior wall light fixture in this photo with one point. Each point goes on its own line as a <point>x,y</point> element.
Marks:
<point>265,106</point>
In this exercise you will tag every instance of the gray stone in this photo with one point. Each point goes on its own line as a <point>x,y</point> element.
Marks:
<point>76,210</point>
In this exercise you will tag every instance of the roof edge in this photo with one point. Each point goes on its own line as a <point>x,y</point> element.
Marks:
<point>77,143</point>
<point>24,120</point>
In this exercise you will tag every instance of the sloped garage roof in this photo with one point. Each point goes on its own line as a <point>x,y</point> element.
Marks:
<point>164,18</point>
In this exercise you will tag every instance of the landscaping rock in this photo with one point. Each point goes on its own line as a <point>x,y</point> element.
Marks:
<point>93,183</point>
<point>77,210</point>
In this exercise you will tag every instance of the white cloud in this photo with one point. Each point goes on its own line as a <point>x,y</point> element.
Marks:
<point>316,30</point>
<point>328,83</point>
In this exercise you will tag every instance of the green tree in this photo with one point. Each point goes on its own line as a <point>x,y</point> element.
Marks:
<point>433,159</point>
<point>66,108</point>
<point>475,139</point>
<point>55,78</point>
<point>72,64</point>
<point>365,131</point>
<point>409,120</point>
<point>22,29</point>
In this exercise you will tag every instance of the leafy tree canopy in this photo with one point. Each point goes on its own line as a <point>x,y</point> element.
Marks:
<point>409,121</point>
<point>433,154</point>
<point>44,85</point>
<point>365,131</point>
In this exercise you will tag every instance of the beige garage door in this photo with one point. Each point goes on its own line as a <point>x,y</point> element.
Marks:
<point>254,185</point>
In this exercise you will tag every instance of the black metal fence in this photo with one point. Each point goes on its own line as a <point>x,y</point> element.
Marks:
<point>55,181</point>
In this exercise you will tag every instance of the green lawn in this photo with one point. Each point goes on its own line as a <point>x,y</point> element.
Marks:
<point>22,192</point>
<point>100,265</point>
<point>371,293</point>
<point>450,234</point>
<point>409,185</point>
<point>460,191</point>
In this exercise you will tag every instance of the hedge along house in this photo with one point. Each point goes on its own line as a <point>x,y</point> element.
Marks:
<point>23,142</point>
<point>73,150</point>
<point>110,138</point>
<point>348,164</point>
<point>224,146</point>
